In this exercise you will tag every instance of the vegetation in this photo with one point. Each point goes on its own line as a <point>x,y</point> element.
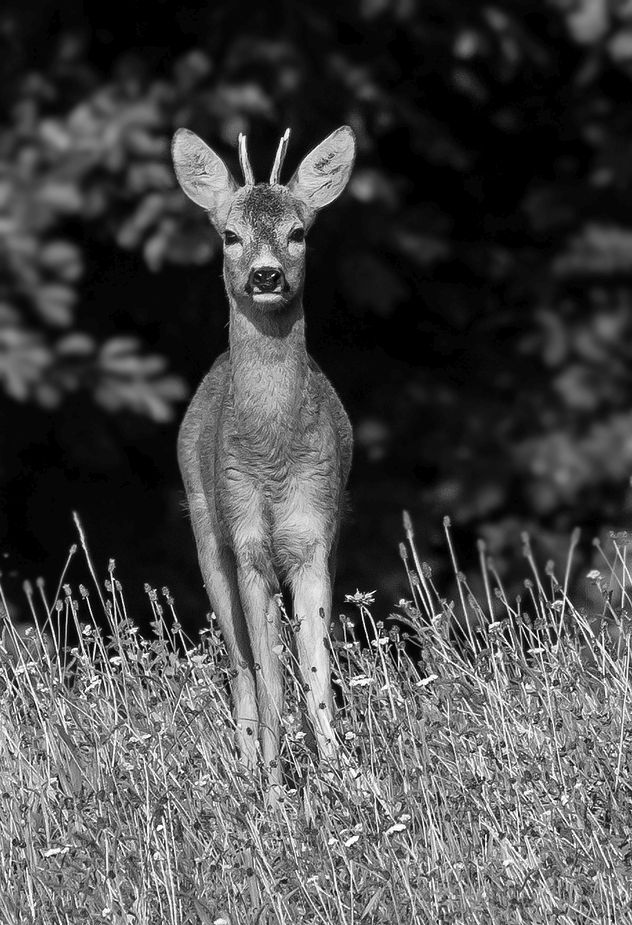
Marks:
<point>488,784</point>
<point>470,297</point>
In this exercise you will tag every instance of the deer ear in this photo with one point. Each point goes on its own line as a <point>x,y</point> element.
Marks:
<point>203,176</point>
<point>323,174</point>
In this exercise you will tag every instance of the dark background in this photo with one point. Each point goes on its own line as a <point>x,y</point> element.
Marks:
<point>469,296</point>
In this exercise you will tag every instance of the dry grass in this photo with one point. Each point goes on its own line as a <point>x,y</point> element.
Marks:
<point>493,787</point>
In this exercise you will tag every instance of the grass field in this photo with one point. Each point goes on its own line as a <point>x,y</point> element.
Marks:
<point>486,787</point>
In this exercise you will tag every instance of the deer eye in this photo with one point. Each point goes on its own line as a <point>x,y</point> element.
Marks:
<point>230,237</point>
<point>297,236</point>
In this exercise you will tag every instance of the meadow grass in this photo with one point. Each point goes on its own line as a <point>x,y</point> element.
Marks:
<point>487,782</point>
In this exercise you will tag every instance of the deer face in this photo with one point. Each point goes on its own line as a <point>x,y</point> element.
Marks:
<point>264,226</point>
<point>264,247</point>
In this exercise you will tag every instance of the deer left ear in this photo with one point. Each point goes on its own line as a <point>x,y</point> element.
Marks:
<point>323,174</point>
<point>203,176</point>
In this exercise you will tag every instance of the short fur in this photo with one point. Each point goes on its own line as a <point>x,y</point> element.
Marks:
<point>265,447</point>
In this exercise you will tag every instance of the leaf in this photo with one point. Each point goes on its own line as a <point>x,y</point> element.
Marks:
<point>54,302</point>
<point>372,903</point>
<point>149,176</point>
<point>620,46</point>
<point>75,344</point>
<point>47,395</point>
<point>147,214</point>
<point>126,365</point>
<point>23,359</point>
<point>597,249</point>
<point>119,345</point>
<point>191,69</point>
<point>61,196</point>
<point>587,20</point>
<point>62,258</point>
<point>423,249</point>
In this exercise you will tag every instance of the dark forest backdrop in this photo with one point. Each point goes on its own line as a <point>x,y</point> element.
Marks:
<point>470,296</point>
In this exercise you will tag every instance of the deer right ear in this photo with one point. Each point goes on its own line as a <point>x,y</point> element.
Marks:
<point>323,174</point>
<point>203,176</point>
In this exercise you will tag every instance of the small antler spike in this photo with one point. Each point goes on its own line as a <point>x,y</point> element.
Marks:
<point>246,169</point>
<point>280,157</point>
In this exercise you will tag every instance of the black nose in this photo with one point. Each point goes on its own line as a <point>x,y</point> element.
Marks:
<point>266,279</point>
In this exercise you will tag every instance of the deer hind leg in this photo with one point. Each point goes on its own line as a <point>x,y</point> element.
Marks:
<point>258,586</point>
<point>218,569</point>
<point>311,590</point>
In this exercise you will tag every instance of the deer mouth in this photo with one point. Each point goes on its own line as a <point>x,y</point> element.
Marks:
<point>268,295</point>
<point>261,297</point>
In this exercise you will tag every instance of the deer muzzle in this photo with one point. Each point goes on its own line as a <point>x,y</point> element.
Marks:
<point>266,280</point>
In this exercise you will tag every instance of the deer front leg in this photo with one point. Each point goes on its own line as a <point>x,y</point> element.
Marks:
<point>311,589</point>
<point>217,565</point>
<point>257,587</point>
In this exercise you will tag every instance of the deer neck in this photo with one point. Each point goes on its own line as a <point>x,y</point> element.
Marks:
<point>268,366</point>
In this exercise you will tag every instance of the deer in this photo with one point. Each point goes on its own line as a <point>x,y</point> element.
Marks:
<point>265,446</point>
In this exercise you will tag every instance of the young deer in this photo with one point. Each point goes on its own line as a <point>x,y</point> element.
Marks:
<point>265,446</point>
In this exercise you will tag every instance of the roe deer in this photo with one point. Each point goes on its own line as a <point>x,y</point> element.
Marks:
<point>265,446</point>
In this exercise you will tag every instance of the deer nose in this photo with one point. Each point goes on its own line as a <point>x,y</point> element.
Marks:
<point>266,279</point>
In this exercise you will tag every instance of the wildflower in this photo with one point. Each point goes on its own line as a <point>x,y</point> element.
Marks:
<point>361,598</point>
<point>396,827</point>
<point>351,840</point>
<point>426,681</point>
<point>52,852</point>
<point>361,680</point>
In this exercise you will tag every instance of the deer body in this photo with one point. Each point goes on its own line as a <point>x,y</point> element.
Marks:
<point>265,446</point>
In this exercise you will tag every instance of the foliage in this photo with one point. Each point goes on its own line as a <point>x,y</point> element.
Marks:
<point>491,787</point>
<point>471,295</point>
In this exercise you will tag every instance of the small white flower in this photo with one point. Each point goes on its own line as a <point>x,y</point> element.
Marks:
<point>426,681</point>
<point>351,840</point>
<point>396,827</point>
<point>52,852</point>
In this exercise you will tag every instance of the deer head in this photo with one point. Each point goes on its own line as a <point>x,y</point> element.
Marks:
<point>264,225</point>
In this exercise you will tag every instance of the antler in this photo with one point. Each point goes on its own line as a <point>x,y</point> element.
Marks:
<point>280,157</point>
<point>246,169</point>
